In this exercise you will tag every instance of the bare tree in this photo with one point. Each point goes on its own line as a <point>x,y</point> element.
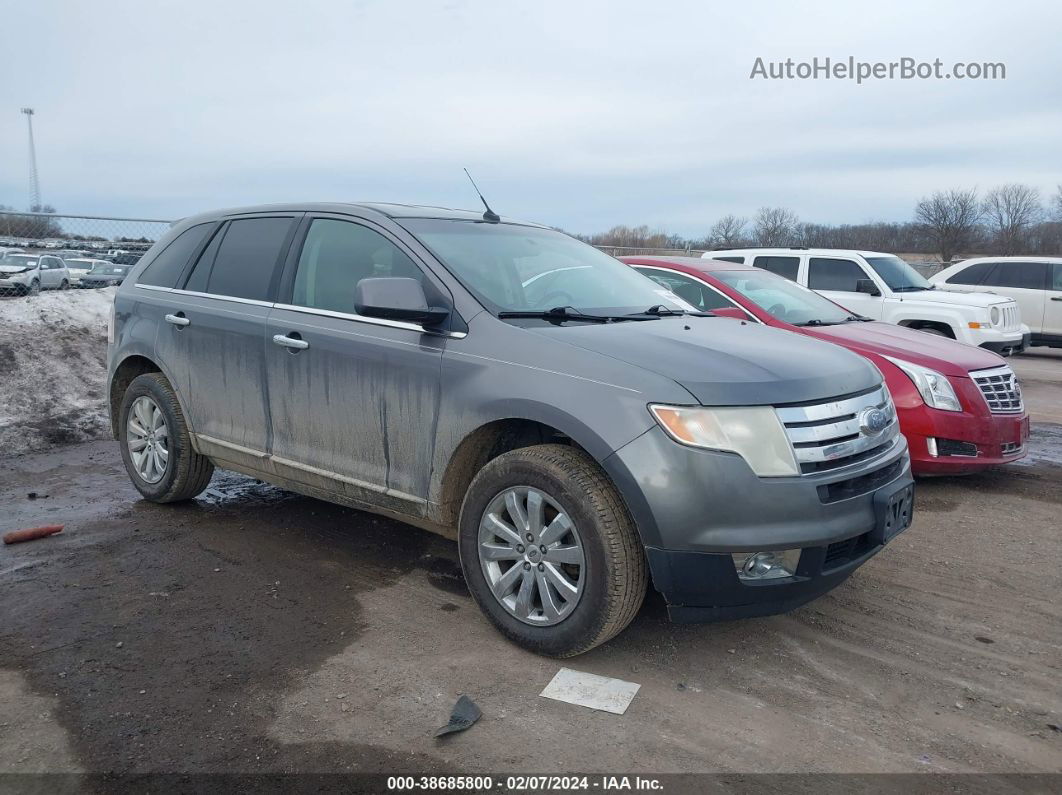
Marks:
<point>1009,211</point>
<point>728,231</point>
<point>1056,200</point>
<point>776,226</point>
<point>950,218</point>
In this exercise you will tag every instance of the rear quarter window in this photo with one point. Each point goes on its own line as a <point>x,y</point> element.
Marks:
<point>167,267</point>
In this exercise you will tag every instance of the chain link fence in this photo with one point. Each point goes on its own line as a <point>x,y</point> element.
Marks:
<point>86,233</point>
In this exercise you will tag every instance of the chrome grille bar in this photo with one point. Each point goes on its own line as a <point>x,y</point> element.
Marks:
<point>1000,389</point>
<point>829,435</point>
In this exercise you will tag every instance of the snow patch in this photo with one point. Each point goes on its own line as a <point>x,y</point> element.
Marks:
<point>53,369</point>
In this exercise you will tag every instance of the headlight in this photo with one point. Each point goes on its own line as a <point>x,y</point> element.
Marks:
<point>993,315</point>
<point>934,387</point>
<point>754,433</point>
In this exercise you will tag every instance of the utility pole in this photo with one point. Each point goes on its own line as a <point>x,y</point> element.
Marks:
<point>35,185</point>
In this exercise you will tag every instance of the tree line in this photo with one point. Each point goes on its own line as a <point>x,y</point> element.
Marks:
<point>1008,219</point>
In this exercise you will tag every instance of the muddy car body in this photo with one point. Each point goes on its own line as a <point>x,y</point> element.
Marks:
<point>561,416</point>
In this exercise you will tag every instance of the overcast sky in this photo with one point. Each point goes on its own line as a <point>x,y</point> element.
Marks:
<point>577,114</point>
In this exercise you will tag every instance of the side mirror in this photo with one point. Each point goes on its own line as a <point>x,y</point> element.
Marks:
<point>867,286</point>
<point>731,311</point>
<point>397,299</point>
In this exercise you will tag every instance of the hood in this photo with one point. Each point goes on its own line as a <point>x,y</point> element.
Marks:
<point>5,268</point>
<point>938,296</point>
<point>725,362</point>
<point>885,339</point>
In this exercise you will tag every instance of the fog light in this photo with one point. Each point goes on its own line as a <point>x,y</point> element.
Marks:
<point>766,565</point>
<point>931,446</point>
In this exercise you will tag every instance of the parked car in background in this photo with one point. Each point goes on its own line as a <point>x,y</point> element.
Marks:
<point>28,274</point>
<point>959,407</point>
<point>575,437</point>
<point>79,267</point>
<point>127,258</point>
<point>884,287</point>
<point>105,274</point>
<point>1035,283</point>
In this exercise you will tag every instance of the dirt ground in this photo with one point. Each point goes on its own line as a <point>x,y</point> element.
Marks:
<point>258,631</point>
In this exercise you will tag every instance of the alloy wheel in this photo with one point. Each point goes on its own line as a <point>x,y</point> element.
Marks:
<point>148,439</point>
<point>532,556</point>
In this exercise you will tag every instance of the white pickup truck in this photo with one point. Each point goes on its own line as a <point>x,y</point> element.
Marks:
<point>884,287</point>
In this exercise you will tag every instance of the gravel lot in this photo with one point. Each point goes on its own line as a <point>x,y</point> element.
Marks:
<point>256,630</point>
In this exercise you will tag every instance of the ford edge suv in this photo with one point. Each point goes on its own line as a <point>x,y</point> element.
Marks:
<point>575,427</point>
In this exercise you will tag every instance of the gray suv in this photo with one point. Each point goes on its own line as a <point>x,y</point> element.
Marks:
<point>575,427</point>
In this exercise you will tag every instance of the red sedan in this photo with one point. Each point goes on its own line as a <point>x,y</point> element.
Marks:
<point>960,407</point>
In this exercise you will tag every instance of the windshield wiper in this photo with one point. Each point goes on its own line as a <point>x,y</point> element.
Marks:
<point>817,322</point>
<point>570,313</point>
<point>910,288</point>
<point>659,310</point>
<point>858,319</point>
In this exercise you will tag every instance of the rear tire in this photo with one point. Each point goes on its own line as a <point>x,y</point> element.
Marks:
<point>612,572</point>
<point>64,285</point>
<point>185,473</point>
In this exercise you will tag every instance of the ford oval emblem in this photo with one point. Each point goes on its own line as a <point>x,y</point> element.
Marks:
<point>873,421</point>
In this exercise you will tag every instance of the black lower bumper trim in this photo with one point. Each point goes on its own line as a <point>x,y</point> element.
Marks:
<point>1008,348</point>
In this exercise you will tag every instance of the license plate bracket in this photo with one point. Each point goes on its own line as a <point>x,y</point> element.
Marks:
<point>894,511</point>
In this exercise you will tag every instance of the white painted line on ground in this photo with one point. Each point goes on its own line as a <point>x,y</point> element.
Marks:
<point>590,690</point>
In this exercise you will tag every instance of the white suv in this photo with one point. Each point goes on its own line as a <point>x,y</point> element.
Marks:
<point>28,274</point>
<point>884,287</point>
<point>1035,283</point>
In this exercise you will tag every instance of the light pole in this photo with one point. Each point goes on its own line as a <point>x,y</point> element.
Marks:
<point>35,185</point>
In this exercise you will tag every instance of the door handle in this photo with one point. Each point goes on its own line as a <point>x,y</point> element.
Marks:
<point>294,343</point>
<point>1056,297</point>
<point>178,320</point>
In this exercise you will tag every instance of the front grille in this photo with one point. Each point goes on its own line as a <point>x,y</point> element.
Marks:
<point>841,552</point>
<point>1011,317</point>
<point>1000,389</point>
<point>835,434</point>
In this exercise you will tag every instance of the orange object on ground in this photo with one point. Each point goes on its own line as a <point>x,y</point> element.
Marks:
<point>18,536</point>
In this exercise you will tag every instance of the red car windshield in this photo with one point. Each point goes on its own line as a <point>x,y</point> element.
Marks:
<point>784,299</point>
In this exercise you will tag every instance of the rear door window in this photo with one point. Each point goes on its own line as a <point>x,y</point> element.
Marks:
<point>786,267</point>
<point>975,274</point>
<point>738,260</point>
<point>834,274</point>
<point>1023,275</point>
<point>240,261</point>
<point>167,267</point>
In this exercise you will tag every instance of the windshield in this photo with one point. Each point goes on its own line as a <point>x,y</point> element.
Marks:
<point>514,268</point>
<point>22,260</point>
<point>784,299</point>
<point>110,270</point>
<point>75,264</point>
<point>898,274</point>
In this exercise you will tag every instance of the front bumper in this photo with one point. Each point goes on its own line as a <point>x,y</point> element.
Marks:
<point>695,507</point>
<point>997,438</point>
<point>1008,347</point>
<point>16,284</point>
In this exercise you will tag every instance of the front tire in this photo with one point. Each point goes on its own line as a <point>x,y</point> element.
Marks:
<point>549,551</point>
<point>155,443</point>
<point>34,288</point>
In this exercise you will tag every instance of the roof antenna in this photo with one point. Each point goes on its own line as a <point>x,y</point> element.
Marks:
<point>489,215</point>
